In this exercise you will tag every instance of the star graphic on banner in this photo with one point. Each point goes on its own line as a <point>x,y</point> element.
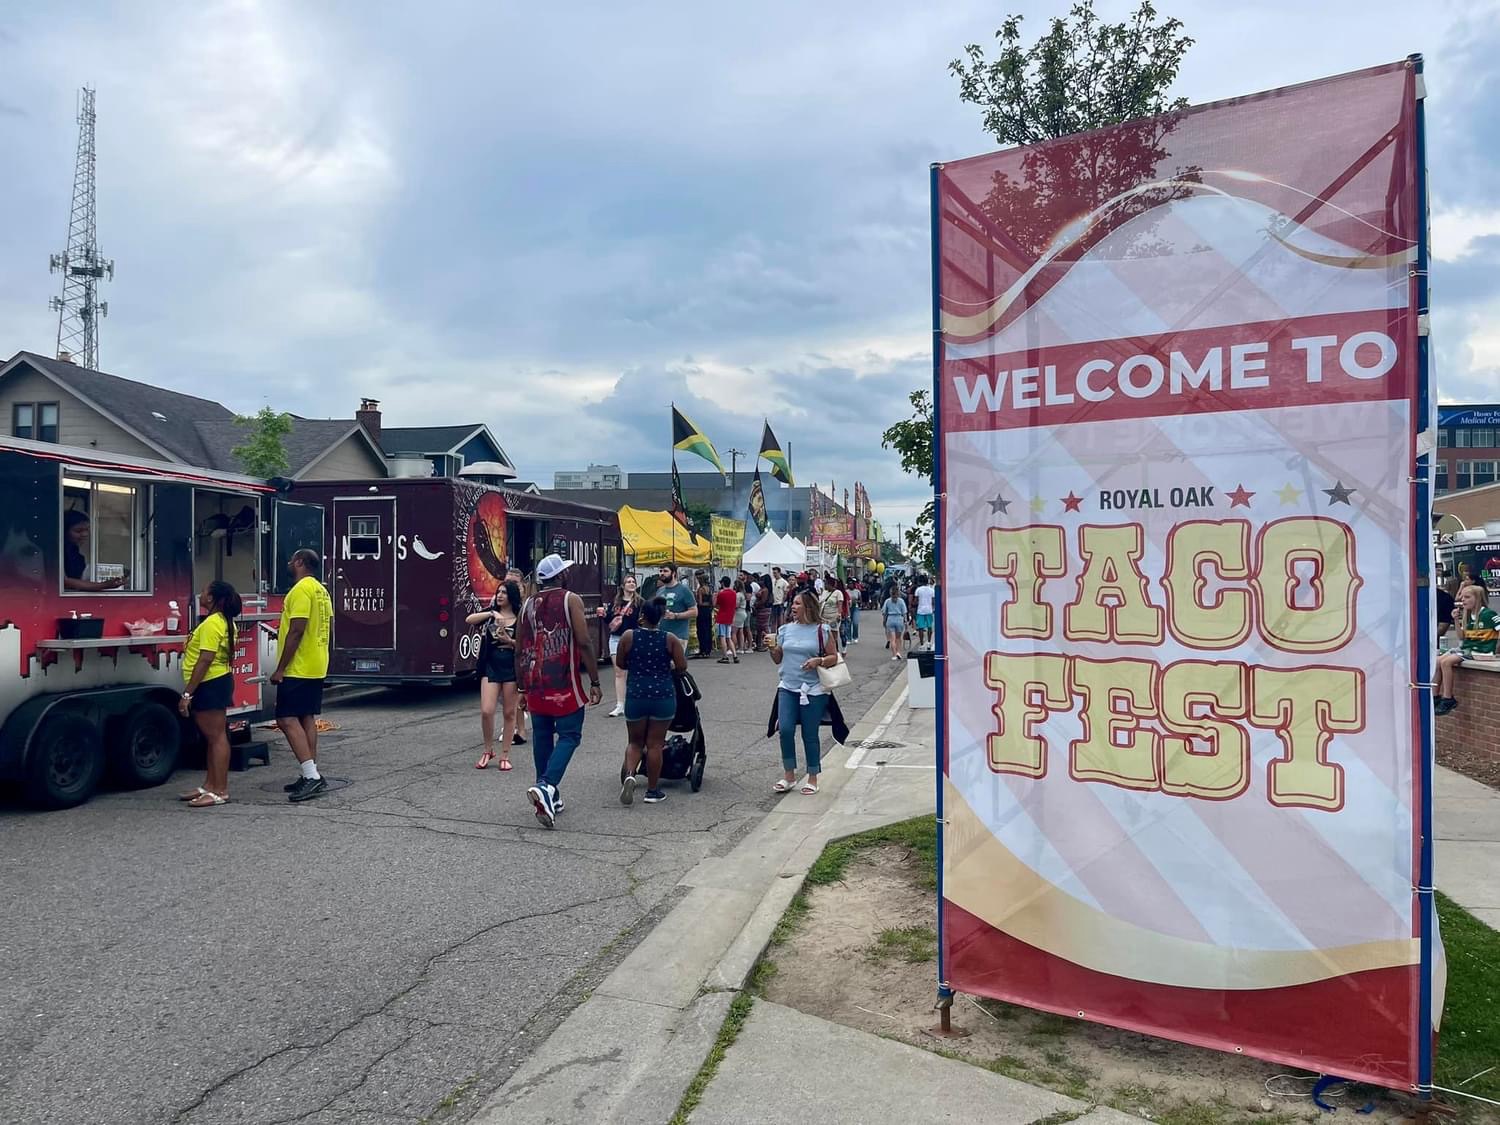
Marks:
<point>1289,495</point>
<point>1070,502</point>
<point>1239,498</point>
<point>999,504</point>
<point>1038,505</point>
<point>1338,494</point>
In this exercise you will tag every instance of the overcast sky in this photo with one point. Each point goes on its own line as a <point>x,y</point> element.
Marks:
<point>557,218</point>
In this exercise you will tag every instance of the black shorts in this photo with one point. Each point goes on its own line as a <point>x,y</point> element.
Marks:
<point>296,698</point>
<point>214,695</point>
<point>499,666</point>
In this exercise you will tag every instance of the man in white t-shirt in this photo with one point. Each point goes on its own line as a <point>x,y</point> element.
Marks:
<point>926,595</point>
<point>778,596</point>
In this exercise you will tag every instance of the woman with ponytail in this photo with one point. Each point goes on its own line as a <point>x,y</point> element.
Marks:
<point>209,689</point>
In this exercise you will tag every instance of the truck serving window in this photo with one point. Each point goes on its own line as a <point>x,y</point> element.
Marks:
<point>105,538</point>
<point>364,537</point>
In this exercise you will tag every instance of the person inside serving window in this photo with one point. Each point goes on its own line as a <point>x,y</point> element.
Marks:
<point>75,555</point>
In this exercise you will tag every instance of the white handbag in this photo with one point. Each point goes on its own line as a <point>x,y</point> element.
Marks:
<point>836,677</point>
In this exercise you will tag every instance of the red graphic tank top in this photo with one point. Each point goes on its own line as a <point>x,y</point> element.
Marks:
<point>547,659</point>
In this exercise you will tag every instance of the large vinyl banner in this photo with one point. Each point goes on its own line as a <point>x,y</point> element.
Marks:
<point>1179,388</point>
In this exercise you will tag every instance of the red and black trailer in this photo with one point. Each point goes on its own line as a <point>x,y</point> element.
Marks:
<point>410,557</point>
<point>90,676</point>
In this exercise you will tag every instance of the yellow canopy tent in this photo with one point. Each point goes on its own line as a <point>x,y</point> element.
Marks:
<point>655,537</point>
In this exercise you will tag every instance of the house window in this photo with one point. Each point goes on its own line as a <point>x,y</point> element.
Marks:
<point>1460,474</point>
<point>1482,439</point>
<point>1445,438</point>
<point>105,535</point>
<point>1440,478</point>
<point>34,420</point>
<point>1483,472</point>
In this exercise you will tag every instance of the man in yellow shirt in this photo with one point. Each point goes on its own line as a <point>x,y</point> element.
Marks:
<point>302,640</point>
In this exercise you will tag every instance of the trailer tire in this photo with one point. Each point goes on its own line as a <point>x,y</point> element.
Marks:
<point>65,763</point>
<point>143,752</point>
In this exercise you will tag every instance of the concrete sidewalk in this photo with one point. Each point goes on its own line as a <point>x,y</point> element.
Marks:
<point>630,1051</point>
<point>1466,860</point>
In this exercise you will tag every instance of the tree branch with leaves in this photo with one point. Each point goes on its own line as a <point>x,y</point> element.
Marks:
<point>263,453</point>
<point>1081,74</point>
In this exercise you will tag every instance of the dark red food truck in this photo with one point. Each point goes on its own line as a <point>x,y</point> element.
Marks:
<point>408,558</point>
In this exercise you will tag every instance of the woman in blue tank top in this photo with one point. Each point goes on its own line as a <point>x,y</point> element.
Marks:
<point>651,656</point>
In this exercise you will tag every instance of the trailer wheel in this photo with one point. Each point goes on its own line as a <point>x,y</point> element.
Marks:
<point>144,751</point>
<point>65,763</point>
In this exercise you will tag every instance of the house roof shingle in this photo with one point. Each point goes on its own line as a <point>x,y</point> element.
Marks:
<point>196,431</point>
<point>423,439</point>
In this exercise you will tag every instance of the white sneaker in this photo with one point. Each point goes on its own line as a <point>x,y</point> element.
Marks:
<point>618,711</point>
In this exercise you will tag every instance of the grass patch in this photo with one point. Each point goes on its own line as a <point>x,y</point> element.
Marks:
<point>764,972</point>
<point>734,1019</point>
<point>450,1099</point>
<point>791,921</point>
<point>912,944</point>
<point>917,836</point>
<point>1061,1117</point>
<point>1194,1113</point>
<point>1470,1037</point>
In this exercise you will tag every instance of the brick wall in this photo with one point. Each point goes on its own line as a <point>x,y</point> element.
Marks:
<point>1468,739</point>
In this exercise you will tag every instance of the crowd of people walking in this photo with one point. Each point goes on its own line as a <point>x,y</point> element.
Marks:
<point>537,655</point>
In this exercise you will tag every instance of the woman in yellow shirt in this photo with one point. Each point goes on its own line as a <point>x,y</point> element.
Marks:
<point>209,688</point>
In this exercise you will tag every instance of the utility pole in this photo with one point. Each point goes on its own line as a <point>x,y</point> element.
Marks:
<point>734,469</point>
<point>82,266</point>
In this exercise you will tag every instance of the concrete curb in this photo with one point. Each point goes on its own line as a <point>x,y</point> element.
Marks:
<point>629,1052</point>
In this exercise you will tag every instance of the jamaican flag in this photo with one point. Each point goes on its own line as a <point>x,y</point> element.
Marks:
<point>758,503</point>
<point>690,439</point>
<point>781,464</point>
<point>679,509</point>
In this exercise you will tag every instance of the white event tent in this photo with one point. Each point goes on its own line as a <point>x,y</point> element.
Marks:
<point>771,550</point>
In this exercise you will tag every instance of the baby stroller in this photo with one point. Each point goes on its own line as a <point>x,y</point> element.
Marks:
<point>685,753</point>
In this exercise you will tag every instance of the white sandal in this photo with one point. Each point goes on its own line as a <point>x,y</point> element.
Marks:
<point>213,801</point>
<point>809,788</point>
<point>783,785</point>
<point>192,795</point>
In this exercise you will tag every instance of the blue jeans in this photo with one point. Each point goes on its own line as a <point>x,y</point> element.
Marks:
<point>854,621</point>
<point>553,740</point>
<point>790,714</point>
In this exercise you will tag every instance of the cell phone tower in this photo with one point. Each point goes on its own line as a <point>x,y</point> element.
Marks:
<point>82,266</point>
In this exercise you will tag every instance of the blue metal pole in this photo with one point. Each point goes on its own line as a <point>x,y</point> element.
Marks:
<point>1424,625</point>
<point>939,646</point>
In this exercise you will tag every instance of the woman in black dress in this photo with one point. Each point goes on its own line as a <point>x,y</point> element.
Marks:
<point>497,671</point>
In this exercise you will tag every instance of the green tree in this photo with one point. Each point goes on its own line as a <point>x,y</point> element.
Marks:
<point>912,440</point>
<point>1082,74</point>
<point>263,453</point>
<point>700,516</point>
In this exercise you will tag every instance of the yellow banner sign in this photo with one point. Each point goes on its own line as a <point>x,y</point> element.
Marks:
<point>729,540</point>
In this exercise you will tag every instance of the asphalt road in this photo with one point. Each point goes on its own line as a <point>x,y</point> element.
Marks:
<point>389,953</point>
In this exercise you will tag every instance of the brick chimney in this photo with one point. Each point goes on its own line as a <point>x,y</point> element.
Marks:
<point>368,416</point>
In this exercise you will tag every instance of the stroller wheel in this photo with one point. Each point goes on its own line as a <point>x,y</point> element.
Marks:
<point>695,775</point>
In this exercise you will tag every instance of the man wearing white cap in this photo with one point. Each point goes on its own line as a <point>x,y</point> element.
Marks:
<point>553,650</point>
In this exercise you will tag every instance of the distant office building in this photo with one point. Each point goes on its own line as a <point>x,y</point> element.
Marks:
<point>789,510</point>
<point>1468,447</point>
<point>595,477</point>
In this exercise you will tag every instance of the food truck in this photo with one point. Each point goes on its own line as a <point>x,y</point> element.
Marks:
<point>101,560</point>
<point>1476,552</point>
<point>410,557</point>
